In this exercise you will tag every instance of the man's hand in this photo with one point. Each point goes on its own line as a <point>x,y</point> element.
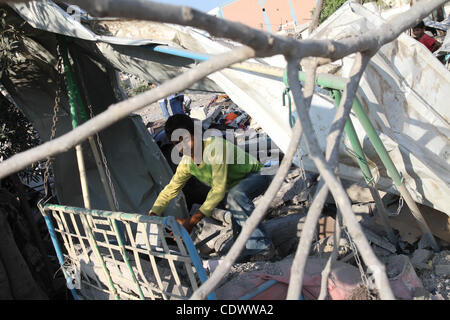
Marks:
<point>151,213</point>
<point>189,223</point>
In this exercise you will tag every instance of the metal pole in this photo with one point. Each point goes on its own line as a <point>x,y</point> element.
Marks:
<point>51,231</point>
<point>362,161</point>
<point>392,171</point>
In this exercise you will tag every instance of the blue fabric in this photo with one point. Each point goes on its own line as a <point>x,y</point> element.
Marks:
<point>239,203</point>
<point>163,105</point>
<point>176,103</point>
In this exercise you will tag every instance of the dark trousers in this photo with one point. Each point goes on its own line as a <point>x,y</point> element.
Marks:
<point>239,203</point>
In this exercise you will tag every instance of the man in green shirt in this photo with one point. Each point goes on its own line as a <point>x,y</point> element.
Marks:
<point>227,169</point>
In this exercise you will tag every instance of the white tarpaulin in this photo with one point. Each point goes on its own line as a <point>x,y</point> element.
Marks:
<point>405,91</point>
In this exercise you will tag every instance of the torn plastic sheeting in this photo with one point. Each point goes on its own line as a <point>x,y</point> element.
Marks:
<point>405,92</point>
<point>443,25</point>
<point>130,55</point>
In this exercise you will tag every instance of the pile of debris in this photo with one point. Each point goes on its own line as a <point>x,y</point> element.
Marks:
<point>414,271</point>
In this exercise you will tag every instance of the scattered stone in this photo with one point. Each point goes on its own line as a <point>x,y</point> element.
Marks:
<point>442,270</point>
<point>424,243</point>
<point>420,258</point>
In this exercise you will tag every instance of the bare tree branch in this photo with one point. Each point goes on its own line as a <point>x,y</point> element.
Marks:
<point>332,152</point>
<point>263,42</point>
<point>316,16</point>
<point>120,110</point>
<point>326,271</point>
<point>337,191</point>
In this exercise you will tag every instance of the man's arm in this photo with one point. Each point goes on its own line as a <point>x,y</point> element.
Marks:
<point>170,191</point>
<point>215,195</point>
<point>217,192</point>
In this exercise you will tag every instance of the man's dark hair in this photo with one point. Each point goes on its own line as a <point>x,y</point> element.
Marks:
<point>178,121</point>
<point>420,25</point>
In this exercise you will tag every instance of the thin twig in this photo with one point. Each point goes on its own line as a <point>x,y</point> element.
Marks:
<point>264,43</point>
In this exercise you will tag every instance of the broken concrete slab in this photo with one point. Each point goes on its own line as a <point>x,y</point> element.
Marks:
<point>284,232</point>
<point>378,240</point>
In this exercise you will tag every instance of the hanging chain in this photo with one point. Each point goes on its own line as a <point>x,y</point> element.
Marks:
<point>364,277</point>
<point>400,205</point>
<point>105,162</point>
<point>59,73</point>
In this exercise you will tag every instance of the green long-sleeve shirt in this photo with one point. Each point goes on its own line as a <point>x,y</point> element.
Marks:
<point>223,166</point>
